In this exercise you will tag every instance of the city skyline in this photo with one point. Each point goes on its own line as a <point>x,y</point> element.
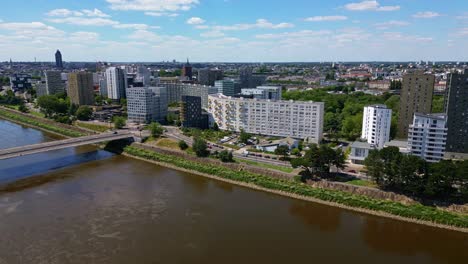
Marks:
<point>235,31</point>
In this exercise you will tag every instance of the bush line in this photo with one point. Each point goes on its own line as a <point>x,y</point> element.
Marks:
<point>33,122</point>
<point>417,211</point>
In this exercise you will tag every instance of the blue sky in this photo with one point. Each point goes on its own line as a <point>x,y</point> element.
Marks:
<point>235,30</point>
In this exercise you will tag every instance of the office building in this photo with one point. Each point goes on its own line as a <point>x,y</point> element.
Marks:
<point>146,104</point>
<point>54,83</point>
<point>456,108</point>
<point>416,97</point>
<point>175,91</point>
<point>245,77</point>
<point>103,85</point>
<point>263,92</point>
<point>116,83</point>
<point>143,76</point>
<point>58,59</point>
<point>225,87</point>
<point>209,76</point>
<point>20,82</point>
<point>191,113</point>
<point>187,71</point>
<point>376,124</point>
<point>302,120</point>
<point>427,136</point>
<point>80,88</point>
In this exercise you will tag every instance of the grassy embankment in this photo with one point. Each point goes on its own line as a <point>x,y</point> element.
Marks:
<point>94,127</point>
<point>266,165</point>
<point>416,211</point>
<point>34,122</point>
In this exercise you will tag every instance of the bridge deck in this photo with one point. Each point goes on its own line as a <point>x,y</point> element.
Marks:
<point>60,144</point>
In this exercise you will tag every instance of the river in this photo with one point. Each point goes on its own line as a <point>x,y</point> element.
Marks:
<point>83,205</point>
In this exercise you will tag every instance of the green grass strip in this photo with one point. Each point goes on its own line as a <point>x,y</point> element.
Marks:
<point>416,211</point>
<point>37,123</point>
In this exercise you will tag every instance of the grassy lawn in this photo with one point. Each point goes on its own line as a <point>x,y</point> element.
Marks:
<point>266,165</point>
<point>167,143</point>
<point>94,127</point>
<point>362,183</point>
<point>38,114</point>
<point>230,146</point>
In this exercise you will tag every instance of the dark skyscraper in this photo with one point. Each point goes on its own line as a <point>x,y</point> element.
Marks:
<point>187,70</point>
<point>416,97</point>
<point>58,59</point>
<point>191,113</point>
<point>456,108</point>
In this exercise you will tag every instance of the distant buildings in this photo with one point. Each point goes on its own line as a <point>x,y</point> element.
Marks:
<point>58,59</point>
<point>263,92</point>
<point>187,71</point>
<point>143,76</point>
<point>383,85</point>
<point>116,83</point>
<point>209,76</point>
<point>54,83</point>
<point>20,82</point>
<point>80,88</point>
<point>302,120</point>
<point>376,125</point>
<point>147,104</point>
<point>175,91</point>
<point>225,87</point>
<point>456,108</point>
<point>416,97</point>
<point>427,136</point>
<point>191,113</point>
<point>248,79</point>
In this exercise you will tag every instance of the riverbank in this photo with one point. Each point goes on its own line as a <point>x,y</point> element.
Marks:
<point>270,182</point>
<point>410,213</point>
<point>40,123</point>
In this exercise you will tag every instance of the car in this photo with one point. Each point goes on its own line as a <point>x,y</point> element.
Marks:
<point>115,132</point>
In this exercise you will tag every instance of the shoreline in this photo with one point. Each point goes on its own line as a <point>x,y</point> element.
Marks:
<point>275,191</point>
<point>303,197</point>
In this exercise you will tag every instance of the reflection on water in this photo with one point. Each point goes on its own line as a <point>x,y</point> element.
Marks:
<point>112,209</point>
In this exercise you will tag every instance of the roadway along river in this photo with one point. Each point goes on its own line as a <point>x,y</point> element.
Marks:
<point>86,206</point>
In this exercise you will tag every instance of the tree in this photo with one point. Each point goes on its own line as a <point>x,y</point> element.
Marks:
<point>84,113</point>
<point>119,122</point>
<point>244,137</point>
<point>200,147</point>
<point>155,129</point>
<point>52,104</point>
<point>319,160</point>
<point>296,152</point>
<point>183,145</point>
<point>22,107</point>
<point>282,150</point>
<point>226,156</point>
<point>98,99</point>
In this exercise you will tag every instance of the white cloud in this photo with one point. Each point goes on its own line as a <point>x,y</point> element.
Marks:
<point>260,23</point>
<point>462,32</point>
<point>68,13</point>
<point>134,26</point>
<point>195,21</point>
<point>153,5</point>
<point>463,17</point>
<point>81,36</point>
<point>94,13</point>
<point>426,14</point>
<point>212,34</point>
<point>84,21</point>
<point>160,14</point>
<point>398,36</point>
<point>296,34</point>
<point>325,18</point>
<point>392,23</point>
<point>372,5</point>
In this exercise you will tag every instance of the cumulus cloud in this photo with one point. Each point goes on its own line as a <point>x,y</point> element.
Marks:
<point>85,12</point>
<point>392,23</point>
<point>195,21</point>
<point>372,5</point>
<point>426,14</point>
<point>152,5</point>
<point>325,18</point>
<point>260,23</point>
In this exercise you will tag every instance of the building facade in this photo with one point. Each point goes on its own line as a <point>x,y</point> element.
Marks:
<point>191,114</point>
<point>54,83</point>
<point>376,124</point>
<point>416,97</point>
<point>225,87</point>
<point>175,91</point>
<point>146,104</point>
<point>209,76</point>
<point>263,92</point>
<point>20,82</point>
<point>58,59</point>
<point>456,108</point>
<point>303,120</point>
<point>427,136</point>
<point>116,83</point>
<point>80,88</point>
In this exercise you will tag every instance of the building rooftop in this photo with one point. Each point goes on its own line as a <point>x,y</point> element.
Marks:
<point>359,144</point>
<point>440,116</point>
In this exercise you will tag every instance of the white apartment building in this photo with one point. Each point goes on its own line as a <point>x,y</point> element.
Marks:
<point>116,83</point>
<point>302,120</point>
<point>376,124</point>
<point>427,136</point>
<point>146,104</point>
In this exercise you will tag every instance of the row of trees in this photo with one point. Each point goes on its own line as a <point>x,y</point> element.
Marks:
<point>318,161</point>
<point>59,108</point>
<point>411,175</point>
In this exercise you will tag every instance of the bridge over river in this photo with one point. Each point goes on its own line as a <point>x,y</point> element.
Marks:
<point>61,144</point>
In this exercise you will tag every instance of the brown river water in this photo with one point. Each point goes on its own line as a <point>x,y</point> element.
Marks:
<point>82,205</point>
